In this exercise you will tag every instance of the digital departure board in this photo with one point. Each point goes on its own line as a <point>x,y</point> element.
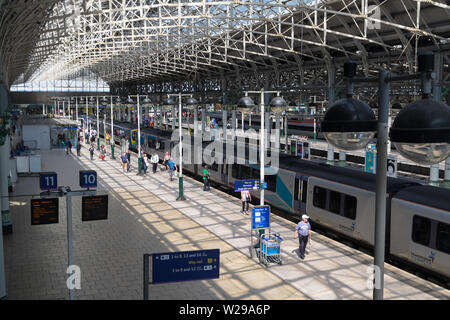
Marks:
<point>94,208</point>
<point>44,211</point>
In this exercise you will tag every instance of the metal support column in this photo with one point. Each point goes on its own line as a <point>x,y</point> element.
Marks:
<point>233,125</point>
<point>224,124</point>
<point>381,184</point>
<point>277,132</point>
<point>331,87</point>
<point>112,129</point>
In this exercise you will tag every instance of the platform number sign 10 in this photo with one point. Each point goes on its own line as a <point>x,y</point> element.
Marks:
<point>88,179</point>
<point>48,181</point>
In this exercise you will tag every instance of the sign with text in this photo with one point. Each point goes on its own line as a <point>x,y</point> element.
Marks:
<point>261,217</point>
<point>94,208</point>
<point>44,211</point>
<point>88,179</point>
<point>48,181</point>
<point>185,266</point>
<point>246,185</point>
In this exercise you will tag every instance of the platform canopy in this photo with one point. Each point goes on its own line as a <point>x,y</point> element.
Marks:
<point>151,41</point>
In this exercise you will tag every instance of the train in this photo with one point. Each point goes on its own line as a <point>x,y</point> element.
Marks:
<point>340,200</point>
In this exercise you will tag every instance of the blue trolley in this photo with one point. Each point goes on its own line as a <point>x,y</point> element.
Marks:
<point>270,249</point>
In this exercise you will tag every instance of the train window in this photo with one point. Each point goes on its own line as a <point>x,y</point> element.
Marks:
<point>245,172</point>
<point>297,192</point>
<point>443,237</point>
<point>350,207</point>
<point>320,197</point>
<point>255,174</point>
<point>335,202</point>
<point>271,182</point>
<point>421,230</point>
<point>304,190</point>
<point>215,167</point>
<point>235,171</point>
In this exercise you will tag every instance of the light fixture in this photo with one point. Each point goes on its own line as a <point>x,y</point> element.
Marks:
<point>349,124</point>
<point>278,104</point>
<point>191,103</point>
<point>245,105</point>
<point>421,131</point>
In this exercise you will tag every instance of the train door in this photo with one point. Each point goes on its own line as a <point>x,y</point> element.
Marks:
<point>300,193</point>
<point>224,176</point>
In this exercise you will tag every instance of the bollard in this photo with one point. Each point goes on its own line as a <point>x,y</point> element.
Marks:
<point>447,173</point>
<point>434,175</point>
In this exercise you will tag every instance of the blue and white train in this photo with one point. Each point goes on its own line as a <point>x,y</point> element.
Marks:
<point>340,200</point>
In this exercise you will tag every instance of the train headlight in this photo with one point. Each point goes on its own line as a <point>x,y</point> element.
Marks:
<point>349,124</point>
<point>421,131</point>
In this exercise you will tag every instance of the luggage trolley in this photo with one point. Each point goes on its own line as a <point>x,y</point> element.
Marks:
<point>270,249</point>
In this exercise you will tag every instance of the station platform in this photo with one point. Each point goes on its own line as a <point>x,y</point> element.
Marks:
<point>144,217</point>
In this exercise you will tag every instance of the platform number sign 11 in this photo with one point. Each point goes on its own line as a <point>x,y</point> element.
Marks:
<point>48,181</point>
<point>88,179</point>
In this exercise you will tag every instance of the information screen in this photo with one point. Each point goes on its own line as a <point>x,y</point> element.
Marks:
<point>44,211</point>
<point>94,208</point>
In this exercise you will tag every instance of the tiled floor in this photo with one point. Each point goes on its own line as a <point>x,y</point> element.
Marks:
<point>145,218</point>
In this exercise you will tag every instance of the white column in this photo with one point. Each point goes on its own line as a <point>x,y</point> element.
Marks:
<point>434,174</point>
<point>180,115</point>
<point>447,171</point>
<point>112,122</point>
<point>277,132</point>
<point>139,126</point>
<point>342,158</point>
<point>262,147</point>
<point>330,154</point>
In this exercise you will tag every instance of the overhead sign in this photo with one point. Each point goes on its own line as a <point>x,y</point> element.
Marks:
<point>48,181</point>
<point>88,179</point>
<point>44,211</point>
<point>303,149</point>
<point>261,217</point>
<point>185,266</point>
<point>392,166</point>
<point>370,162</point>
<point>247,185</point>
<point>94,208</point>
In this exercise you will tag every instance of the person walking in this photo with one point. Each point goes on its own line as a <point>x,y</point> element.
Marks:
<point>145,162</point>
<point>303,232</point>
<point>69,147</point>
<point>246,197</point>
<point>102,152</point>
<point>206,184</point>
<point>91,151</point>
<point>78,147</point>
<point>128,161</point>
<point>172,168</point>
<point>124,160</point>
<point>154,160</point>
<point>166,160</point>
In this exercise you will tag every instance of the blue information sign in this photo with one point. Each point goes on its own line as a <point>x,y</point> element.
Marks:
<point>264,185</point>
<point>261,217</point>
<point>185,266</point>
<point>246,185</point>
<point>48,181</point>
<point>88,179</point>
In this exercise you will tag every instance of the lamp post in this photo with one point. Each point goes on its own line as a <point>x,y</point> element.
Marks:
<point>420,132</point>
<point>112,128</point>
<point>245,105</point>
<point>170,102</point>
